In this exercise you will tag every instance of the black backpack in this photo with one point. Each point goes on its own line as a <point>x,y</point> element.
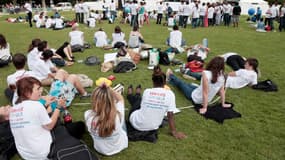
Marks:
<point>163,58</point>
<point>92,60</point>
<point>7,143</point>
<point>66,147</point>
<point>267,86</point>
<point>125,66</point>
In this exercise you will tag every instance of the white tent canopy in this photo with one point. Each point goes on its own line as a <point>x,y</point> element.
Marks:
<point>247,4</point>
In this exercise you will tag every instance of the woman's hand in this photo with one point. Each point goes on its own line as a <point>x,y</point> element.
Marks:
<point>179,135</point>
<point>61,102</point>
<point>48,99</point>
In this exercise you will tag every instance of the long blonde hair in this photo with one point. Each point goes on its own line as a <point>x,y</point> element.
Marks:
<point>103,104</point>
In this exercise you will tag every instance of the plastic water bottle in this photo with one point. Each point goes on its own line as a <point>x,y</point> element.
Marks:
<point>205,42</point>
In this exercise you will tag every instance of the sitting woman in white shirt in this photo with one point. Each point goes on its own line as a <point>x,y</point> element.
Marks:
<point>5,55</point>
<point>243,77</point>
<point>136,38</point>
<point>105,120</point>
<point>100,38</point>
<point>175,39</point>
<point>212,82</point>
<point>59,24</point>
<point>118,36</point>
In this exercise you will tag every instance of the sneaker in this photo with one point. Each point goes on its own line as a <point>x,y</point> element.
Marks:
<point>87,95</point>
<point>119,88</point>
<point>186,76</point>
<point>138,89</point>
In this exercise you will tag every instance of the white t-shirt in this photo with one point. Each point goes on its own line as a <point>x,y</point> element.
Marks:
<point>43,68</point>
<point>77,8</point>
<point>243,78</point>
<point>19,74</point>
<point>32,58</point>
<point>101,38</point>
<point>170,22</point>
<point>5,52</point>
<point>26,121</point>
<point>49,22</point>
<point>187,10</point>
<point>113,6</point>
<point>227,8</point>
<point>118,37</point>
<point>160,9</point>
<point>13,78</point>
<point>76,37</point>
<point>134,9</point>
<point>155,103</point>
<point>202,11</point>
<point>58,23</point>
<point>211,11</point>
<point>92,22</point>
<point>28,7</point>
<point>117,141</point>
<point>197,94</point>
<point>195,12</point>
<point>175,38</point>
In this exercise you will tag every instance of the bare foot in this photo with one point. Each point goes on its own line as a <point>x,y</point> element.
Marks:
<point>227,105</point>
<point>202,110</point>
<point>69,63</point>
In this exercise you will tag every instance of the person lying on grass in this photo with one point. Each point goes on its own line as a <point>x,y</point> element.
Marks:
<point>245,71</point>
<point>212,82</point>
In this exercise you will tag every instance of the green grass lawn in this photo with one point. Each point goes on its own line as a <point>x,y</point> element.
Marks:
<point>259,134</point>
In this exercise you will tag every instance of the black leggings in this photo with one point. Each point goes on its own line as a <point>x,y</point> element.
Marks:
<point>135,101</point>
<point>236,62</point>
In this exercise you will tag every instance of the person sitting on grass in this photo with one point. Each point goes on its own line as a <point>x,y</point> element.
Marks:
<point>175,39</point>
<point>5,55</point>
<point>105,120</point>
<point>118,37</point>
<point>100,38</point>
<point>19,61</point>
<point>147,111</point>
<point>33,54</point>
<point>212,82</point>
<point>76,37</point>
<point>30,122</point>
<point>135,38</point>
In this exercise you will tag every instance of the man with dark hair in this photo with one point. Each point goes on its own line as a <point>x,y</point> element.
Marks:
<point>19,61</point>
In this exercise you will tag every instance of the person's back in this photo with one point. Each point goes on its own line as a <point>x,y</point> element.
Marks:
<point>101,38</point>
<point>213,88</point>
<point>5,52</point>
<point>118,37</point>
<point>58,23</point>
<point>32,58</point>
<point>155,103</point>
<point>76,37</point>
<point>32,139</point>
<point>114,143</point>
<point>175,38</point>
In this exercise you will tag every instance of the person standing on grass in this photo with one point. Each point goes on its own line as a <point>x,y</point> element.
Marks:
<point>105,120</point>
<point>236,14</point>
<point>282,17</point>
<point>147,111</point>
<point>212,82</point>
<point>160,10</point>
<point>29,10</point>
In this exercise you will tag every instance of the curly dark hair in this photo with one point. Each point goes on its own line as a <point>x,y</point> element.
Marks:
<point>158,77</point>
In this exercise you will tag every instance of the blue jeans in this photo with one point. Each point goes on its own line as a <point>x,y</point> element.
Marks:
<point>186,88</point>
<point>197,75</point>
